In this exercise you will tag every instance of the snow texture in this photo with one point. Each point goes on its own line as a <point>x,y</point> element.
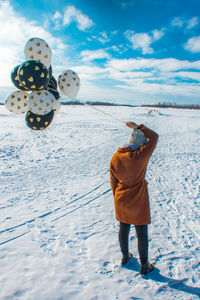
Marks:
<point>58,232</point>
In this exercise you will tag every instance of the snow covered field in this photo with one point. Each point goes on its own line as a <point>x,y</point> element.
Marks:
<point>58,233</point>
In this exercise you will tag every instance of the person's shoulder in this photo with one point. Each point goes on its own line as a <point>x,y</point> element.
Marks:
<point>115,156</point>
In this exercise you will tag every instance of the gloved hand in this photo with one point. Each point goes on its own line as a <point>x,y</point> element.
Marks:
<point>131,125</point>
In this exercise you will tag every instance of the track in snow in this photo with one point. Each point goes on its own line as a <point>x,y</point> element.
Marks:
<point>11,229</point>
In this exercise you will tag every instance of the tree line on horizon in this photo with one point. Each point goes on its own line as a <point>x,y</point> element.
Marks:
<point>173,105</point>
<point>161,105</point>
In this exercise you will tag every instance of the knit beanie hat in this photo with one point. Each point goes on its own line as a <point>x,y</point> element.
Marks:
<point>137,137</point>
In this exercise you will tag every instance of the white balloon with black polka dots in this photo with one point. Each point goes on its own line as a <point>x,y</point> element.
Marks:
<point>17,102</point>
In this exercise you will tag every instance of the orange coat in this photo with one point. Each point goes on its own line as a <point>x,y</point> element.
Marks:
<point>127,173</point>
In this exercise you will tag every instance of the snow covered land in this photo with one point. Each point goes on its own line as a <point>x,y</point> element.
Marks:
<point>58,233</point>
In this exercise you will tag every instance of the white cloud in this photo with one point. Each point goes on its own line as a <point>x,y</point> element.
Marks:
<point>57,15</point>
<point>114,48</point>
<point>189,75</point>
<point>192,23</point>
<point>90,73</point>
<point>72,14</point>
<point>91,91</point>
<point>160,65</point>
<point>151,78</point>
<point>157,34</point>
<point>181,89</point>
<point>88,55</point>
<point>193,44</point>
<point>15,32</point>
<point>103,37</point>
<point>137,79</point>
<point>142,41</point>
<point>57,19</point>
<point>128,77</point>
<point>188,24</point>
<point>120,49</point>
<point>156,76</point>
<point>177,22</point>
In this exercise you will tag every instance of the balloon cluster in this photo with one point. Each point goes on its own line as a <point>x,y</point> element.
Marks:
<point>37,95</point>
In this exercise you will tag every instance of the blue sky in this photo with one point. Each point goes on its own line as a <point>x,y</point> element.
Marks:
<point>131,52</point>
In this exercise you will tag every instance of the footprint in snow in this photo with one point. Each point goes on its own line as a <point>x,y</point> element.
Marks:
<point>108,269</point>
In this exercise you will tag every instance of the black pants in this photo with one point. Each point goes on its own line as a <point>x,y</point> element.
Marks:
<point>142,235</point>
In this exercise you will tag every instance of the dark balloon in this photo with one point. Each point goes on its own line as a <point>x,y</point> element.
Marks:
<point>15,78</point>
<point>50,70</point>
<point>33,75</point>
<point>50,86</point>
<point>54,92</point>
<point>38,122</point>
<point>53,83</point>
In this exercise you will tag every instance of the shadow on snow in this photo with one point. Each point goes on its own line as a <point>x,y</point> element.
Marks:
<point>177,284</point>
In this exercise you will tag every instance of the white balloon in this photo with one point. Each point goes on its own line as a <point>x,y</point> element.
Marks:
<point>17,102</point>
<point>41,102</point>
<point>69,83</point>
<point>39,50</point>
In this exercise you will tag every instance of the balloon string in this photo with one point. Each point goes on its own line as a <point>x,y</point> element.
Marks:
<point>106,113</point>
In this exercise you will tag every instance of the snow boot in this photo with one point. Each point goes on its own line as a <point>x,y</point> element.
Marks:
<point>146,268</point>
<point>125,258</point>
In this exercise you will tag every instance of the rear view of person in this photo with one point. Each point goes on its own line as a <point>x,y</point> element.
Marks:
<point>127,177</point>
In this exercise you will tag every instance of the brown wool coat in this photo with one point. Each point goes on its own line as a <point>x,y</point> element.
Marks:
<point>127,173</point>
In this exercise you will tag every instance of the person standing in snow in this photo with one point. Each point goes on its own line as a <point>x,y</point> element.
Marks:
<point>127,177</point>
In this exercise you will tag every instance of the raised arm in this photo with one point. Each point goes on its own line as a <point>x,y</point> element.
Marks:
<point>152,136</point>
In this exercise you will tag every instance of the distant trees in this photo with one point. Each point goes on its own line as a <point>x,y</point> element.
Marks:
<point>76,102</point>
<point>160,104</point>
<point>174,105</point>
<point>100,103</point>
<point>72,102</point>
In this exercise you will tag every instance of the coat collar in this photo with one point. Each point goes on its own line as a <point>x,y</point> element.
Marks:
<point>124,149</point>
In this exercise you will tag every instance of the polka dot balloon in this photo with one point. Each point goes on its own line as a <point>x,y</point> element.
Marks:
<point>41,102</point>
<point>33,75</point>
<point>38,49</point>
<point>69,83</point>
<point>15,78</point>
<point>38,122</point>
<point>17,102</point>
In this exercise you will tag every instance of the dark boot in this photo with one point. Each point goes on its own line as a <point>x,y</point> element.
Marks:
<point>125,258</point>
<point>146,268</point>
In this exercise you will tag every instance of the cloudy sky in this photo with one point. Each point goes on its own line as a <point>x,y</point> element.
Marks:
<point>124,51</point>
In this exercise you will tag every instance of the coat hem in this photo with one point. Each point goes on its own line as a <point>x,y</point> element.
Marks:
<point>134,223</point>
